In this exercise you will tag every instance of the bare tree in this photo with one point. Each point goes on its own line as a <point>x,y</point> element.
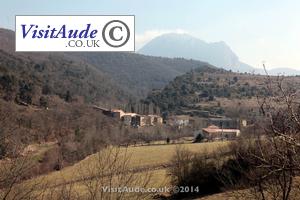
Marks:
<point>15,166</point>
<point>13,174</point>
<point>109,172</point>
<point>273,159</point>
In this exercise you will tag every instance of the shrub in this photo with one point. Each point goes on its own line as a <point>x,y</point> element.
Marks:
<point>195,170</point>
<point>208,173</point>
<point>199,138</point>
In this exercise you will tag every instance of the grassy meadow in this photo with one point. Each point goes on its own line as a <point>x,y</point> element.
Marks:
<point>151,161</point>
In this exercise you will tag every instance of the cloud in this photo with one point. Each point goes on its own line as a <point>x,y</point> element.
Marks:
<point>142,39</point>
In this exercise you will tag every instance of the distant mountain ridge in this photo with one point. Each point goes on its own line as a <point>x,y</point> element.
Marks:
<point>186,46</point>
<point>216,53</point>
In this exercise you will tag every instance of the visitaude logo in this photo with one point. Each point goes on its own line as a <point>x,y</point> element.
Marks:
<point>75,33</point>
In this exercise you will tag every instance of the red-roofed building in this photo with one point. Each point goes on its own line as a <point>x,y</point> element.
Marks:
<point>215,133</point>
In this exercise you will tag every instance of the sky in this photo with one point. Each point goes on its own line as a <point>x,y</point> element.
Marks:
<point>257,31</point>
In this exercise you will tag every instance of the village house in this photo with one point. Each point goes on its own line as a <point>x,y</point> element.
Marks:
<point>243,123</point>
<point>229,123</point>
<point>155,119</point>
<point>132,119</point>
<point>127,118</point>
<point>147,120</point>
<point>216,133</point>
<point>138,120</point>
<point>117,113</point>
<point>178,120</point>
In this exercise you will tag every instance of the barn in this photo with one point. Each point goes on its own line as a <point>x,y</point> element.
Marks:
<point>216,133</point>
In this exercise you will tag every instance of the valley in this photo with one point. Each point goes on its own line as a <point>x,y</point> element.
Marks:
<point>71,123</point>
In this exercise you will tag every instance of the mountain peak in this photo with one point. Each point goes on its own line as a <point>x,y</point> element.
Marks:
<point>177,37</point>
<point>187,46</point>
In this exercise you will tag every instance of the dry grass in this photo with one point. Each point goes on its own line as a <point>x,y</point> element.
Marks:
<point>143,159</point>
<point>140,157</point>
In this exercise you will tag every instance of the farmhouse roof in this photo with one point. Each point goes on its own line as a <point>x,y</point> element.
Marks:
<point>216,129</point>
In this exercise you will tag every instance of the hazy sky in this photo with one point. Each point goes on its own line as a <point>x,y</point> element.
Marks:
<point>256,30</point>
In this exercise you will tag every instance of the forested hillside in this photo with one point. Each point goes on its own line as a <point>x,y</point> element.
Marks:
<point>210,90</point>
<point>135,74</point>
<point>138,74</point>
